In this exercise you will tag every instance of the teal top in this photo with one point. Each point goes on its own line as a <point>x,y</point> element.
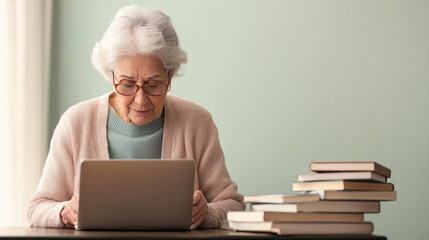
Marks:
<point>130,141</point>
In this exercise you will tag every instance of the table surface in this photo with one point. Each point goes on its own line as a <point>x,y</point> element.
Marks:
<point>53,233</point>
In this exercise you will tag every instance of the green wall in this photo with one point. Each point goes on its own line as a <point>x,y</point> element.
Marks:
<point>287,82</point>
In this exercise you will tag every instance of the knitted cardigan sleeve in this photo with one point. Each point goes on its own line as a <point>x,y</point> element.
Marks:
<point>56,184</point>
<point>215,182</point>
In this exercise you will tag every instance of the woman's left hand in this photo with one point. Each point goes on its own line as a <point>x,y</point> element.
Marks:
<point>199,211</point>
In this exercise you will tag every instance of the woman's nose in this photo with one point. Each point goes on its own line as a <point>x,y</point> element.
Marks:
<point>141,97</point>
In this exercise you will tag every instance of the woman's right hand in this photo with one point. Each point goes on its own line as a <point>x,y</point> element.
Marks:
<point>70,212</point>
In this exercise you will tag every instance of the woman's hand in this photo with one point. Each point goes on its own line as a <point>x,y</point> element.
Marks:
<point>70,212</point>
<point>199,211</point>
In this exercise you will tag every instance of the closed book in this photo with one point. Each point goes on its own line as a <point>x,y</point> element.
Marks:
<point>295,228</point>
<point>282,198</point>
<point>321,206</point>
<point>350,167</point>
<point>357,195</point>
<point>342,185</point>
<point>242,216</point>
<point>362,176</point>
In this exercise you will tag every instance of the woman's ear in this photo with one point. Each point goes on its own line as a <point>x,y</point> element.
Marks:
<point>170,75</point>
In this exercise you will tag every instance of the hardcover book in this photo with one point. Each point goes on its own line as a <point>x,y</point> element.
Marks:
<point>282,198</point>
<point>350,167</point>
<point>362,176</point>
<point>356,195</point>
<point>321,206</point>
<point>243,216</point>
<point>294,228</point>
<point>342,185</point>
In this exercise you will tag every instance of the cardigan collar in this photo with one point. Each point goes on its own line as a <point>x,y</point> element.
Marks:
<point>102,114</point>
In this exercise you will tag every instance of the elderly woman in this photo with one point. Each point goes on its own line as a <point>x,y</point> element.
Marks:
<point>140,55</point>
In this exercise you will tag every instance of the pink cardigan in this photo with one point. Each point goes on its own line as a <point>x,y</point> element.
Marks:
<point>189,133</point>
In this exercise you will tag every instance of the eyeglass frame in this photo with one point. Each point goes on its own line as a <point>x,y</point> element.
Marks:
<point>142,86</point>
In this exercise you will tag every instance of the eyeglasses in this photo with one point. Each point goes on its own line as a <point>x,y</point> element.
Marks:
<point>129,88</point>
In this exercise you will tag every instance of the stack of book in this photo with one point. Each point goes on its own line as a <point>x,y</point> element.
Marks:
<point>331,201</point>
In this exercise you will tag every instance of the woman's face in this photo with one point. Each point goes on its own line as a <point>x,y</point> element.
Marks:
<point>140,108</point>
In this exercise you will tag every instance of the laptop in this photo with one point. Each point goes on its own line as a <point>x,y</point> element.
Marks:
<point>136,194</point>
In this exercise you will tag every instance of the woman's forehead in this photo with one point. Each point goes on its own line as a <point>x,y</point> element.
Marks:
<point>139,64</point>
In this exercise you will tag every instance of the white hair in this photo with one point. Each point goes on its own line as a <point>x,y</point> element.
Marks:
<point>138,30</point>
